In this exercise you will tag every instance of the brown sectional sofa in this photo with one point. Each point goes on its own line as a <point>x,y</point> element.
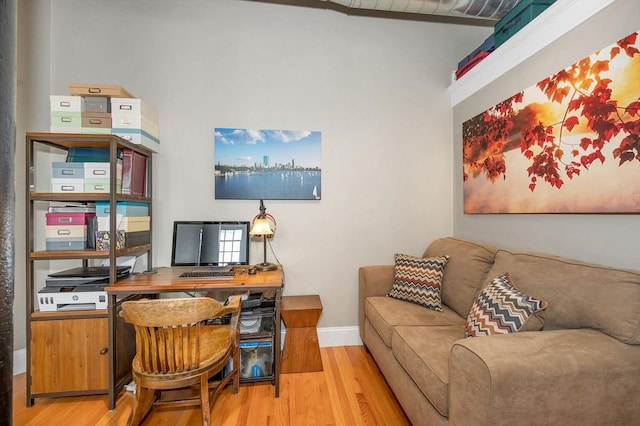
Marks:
<point>583,368</point>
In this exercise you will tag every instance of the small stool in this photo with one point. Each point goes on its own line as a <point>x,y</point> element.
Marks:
<point>301,349</point>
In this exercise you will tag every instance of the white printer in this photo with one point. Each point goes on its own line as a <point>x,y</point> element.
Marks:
<point>77,289</point>
<point>78,298</point>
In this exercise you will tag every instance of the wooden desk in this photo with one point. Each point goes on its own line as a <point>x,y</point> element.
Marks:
<point>167,280</point>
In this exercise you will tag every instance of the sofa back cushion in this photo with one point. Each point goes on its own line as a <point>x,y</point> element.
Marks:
<point>465,272</point>
<point>578,294</point>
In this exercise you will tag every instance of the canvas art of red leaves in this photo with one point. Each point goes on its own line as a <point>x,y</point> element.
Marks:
<point>591,99</point>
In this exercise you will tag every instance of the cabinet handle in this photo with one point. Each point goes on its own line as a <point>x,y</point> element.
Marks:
<point>104,351</point>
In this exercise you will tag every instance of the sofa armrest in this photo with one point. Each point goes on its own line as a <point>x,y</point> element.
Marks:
<point>373,281</point>
<point>549,377</point>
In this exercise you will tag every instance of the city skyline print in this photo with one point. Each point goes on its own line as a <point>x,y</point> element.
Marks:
<point>252,164</point>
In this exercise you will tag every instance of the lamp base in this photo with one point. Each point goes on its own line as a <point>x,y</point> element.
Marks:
<point>264,266</point>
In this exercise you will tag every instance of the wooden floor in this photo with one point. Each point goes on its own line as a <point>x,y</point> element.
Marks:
<point>350,391</point>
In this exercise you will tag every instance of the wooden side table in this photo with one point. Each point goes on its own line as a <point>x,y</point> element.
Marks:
<point>301,349</point>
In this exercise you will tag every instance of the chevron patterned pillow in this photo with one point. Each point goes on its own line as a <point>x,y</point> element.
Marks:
<point>419,280</point>
<point>501,309</point>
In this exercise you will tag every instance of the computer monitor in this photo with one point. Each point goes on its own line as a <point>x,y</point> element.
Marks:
<point>219,243</point>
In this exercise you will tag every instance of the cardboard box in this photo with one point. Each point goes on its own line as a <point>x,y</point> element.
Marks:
<point>139,238</point>
<point>100,185</point>
<point>126,223</point>
<point>101,170</point>
<point>100,104</point>
<point>95,130</point>
<point>139,137</point>
<point>84,89</point>
<point>66,231</point>
<point>66,119</point>
<point>57,129</point>
<point>133,108</point>
<point>68,218</point>
<point>96,119</point>
<point>64,170</point>
<point>65,103</point>
<point>63,244</point>
<point>125,208</point>
<point>67,185</point>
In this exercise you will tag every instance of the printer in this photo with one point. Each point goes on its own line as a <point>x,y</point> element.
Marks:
<point>77,289</point>
<point>70,298</point>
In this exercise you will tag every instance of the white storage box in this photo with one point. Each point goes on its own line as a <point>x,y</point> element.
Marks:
<point>65,103</point>
<point>101,170</point>
<point>126,223</point>
<point>100,185</point>
<point>133,107</point>
<point>66,231</point>
<point>67,185</point>
<point>139,137</point>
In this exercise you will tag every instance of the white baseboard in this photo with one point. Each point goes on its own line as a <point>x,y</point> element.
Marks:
<point>19,361</point>
<point>327,337</point>
<point>339,336</point>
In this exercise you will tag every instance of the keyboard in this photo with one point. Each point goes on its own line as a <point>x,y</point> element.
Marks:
<point>207,274</point>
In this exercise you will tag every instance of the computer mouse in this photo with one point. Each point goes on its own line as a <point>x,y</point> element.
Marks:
<point>251,271</point>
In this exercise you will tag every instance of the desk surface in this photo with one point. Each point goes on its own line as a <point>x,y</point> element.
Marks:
<point>167,279</point>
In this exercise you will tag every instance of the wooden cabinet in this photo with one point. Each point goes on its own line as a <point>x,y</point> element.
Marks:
<point>69,355</point>
<point>73,352</point>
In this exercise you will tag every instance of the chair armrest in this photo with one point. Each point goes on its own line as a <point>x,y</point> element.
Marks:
<point>232,307</point>
<point>550,377</point>
<point>373,281</point>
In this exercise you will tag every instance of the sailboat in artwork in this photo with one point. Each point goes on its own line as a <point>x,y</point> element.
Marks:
<point>315,192</point>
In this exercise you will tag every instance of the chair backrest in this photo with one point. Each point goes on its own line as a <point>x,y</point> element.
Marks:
<point>168,331</point>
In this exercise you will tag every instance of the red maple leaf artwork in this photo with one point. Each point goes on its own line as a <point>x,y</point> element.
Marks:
<point>583,116</point>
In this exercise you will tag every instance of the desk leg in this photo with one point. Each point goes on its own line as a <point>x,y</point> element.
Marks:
<point>112,351</point>
<point>277,338</point>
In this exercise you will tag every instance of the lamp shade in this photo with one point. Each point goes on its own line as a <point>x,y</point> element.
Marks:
<point>261,227</point>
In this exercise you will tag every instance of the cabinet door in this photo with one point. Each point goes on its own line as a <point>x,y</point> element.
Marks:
<point>69,355</point>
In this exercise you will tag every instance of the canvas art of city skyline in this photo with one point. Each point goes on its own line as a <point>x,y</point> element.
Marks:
<point>254,164</point>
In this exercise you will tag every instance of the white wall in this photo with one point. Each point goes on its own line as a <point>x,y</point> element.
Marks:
<point>375,88</point>
<point>608,239</point>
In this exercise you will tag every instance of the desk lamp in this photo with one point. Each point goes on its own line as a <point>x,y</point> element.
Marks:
<point>261,227</point>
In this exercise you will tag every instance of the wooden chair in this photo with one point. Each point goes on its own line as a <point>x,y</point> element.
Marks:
<point>176,349</point>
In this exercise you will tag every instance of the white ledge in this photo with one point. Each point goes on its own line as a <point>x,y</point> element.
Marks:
<point>560,18</point>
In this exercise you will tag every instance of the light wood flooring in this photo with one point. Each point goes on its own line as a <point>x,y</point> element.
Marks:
<point>350,391</point>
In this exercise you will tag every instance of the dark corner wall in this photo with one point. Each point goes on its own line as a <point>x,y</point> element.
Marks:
<point>8,47</point>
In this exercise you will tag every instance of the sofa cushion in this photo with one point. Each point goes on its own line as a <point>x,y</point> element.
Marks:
<point>501,308</point>
<point>418,280</point>
<point>385,313</point>
<point>424,354</point>
<point>579,294</point>
<point>465,272</point>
